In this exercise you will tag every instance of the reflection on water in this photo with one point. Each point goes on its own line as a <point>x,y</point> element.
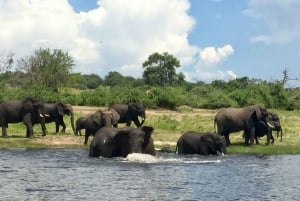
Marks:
<point>63,174</point>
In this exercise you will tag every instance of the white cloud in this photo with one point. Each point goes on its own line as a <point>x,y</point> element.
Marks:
<point>207,63</point>
<point>116,36</point>
<point>279,17</point>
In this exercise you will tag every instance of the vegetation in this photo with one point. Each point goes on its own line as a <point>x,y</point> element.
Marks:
<point>47,74</point>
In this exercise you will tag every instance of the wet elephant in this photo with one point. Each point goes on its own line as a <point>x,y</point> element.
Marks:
<point>130,112</point>
<point>229,120</point>
<point>193,142</point>
<point>119,142</point>
<point>98,120</point>
<point>28,111</point>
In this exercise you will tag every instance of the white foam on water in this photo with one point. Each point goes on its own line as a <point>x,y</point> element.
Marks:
<point>142,158</point>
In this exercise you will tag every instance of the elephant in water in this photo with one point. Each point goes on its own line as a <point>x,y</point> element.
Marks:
<point>229,120</point>
<point>130,112</point>
<point>193,142</point>
<point>119,142</point>
<point>28,111</point>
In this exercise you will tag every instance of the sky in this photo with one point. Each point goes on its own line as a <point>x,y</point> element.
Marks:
<point>212,39</point>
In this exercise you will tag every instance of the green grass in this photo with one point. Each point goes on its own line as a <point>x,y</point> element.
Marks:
<point>169,126</point>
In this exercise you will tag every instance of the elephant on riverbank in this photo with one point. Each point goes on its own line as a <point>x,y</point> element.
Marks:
<point>80,124</point>
<point>230,120</point>
<point>130,112</point>
<point>56,112</point>
<point>119,142</point>
<point>275,121</point>
<point>193,142</point>
<point>98,120</point>
<point>28,111</point>
<point>262,129</point>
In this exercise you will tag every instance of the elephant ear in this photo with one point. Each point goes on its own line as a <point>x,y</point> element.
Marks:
<point>148,130</point>
<point>97,117</point>
<point>121,140</point>
<point>115,116</point>
<point>254,116</point>
<point>60,109</point>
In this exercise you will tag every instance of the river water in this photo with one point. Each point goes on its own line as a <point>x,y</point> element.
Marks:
<point>69,174</point>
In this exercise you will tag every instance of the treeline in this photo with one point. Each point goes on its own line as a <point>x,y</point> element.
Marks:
<point>92,90</point>
<point>47,74</point>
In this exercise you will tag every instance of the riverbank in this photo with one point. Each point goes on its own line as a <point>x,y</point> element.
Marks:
<point>169,126</point>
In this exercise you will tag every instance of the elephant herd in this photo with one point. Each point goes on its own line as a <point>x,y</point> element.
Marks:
<point>33,111</point>
<point>110,141</point>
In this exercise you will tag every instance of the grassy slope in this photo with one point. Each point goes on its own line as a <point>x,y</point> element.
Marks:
<point>169,125</point>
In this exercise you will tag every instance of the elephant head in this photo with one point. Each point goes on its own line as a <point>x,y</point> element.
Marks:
<point>36,108</point>
<point>133,140</point>
<point>119,142</point>
<point>137,109</point>
<point>67,109</point>
<point>110,117</point>
<point>216,144</point>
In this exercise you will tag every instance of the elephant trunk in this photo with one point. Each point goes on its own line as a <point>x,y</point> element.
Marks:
<point>143,118</point>
<point>72,122</point>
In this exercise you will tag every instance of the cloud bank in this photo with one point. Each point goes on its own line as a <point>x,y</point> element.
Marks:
<point>118,35</point>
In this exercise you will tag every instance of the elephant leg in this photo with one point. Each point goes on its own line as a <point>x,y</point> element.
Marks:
<point>4,132</point>
<point>86,137</point>
<point>226,135</point>
<point>63,130</point>
<point>256,140</point>
<point>137,122</point>
<point>128,123</point>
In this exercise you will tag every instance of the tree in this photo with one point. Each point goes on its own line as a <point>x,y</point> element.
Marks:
<point>6,62</point>
<point>160,70</point>
<point>114,78</point>
<point>49,68</point>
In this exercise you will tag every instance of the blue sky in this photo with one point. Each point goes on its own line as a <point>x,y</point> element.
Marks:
<point>213,39</point>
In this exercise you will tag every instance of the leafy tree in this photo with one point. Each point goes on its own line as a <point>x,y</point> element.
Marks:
<point>114,78</point>
<point>160,70</point>
<point>49,68</point>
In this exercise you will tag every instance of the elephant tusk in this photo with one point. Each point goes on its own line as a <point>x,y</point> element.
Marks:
<point>270,125</point>
<point>45,115</point>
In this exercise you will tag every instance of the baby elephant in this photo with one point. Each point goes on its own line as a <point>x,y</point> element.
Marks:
<point>80,124</point>
<point>193,142</point>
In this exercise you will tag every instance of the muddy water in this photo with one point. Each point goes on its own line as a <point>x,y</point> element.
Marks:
<point>68,174</point>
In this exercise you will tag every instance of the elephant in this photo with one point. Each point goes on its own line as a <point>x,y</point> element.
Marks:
<point>193,142</point>
<point>130,112</point>
<point>28,111</point>
<point>56,112</point>
<point>262,128</point>
<point>230,120</point>
<point>275,121</point>
<point>119,142</point>
<point>99,119</point>
<point>80,124</point>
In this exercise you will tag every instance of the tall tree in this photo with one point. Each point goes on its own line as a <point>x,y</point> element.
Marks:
<point>6,61</point>
<point>49,68</point>
<point>160,69</point>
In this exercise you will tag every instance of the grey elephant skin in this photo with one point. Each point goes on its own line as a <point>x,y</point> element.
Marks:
<point>28,111</point>
<point>229,120</point>
<point>262,129</point>
<point>98,120</point>
<point>119,142</point>
<point>193,142</point>
<point>130,112</point>
<point>55,113</point>
<point>80,124</point>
